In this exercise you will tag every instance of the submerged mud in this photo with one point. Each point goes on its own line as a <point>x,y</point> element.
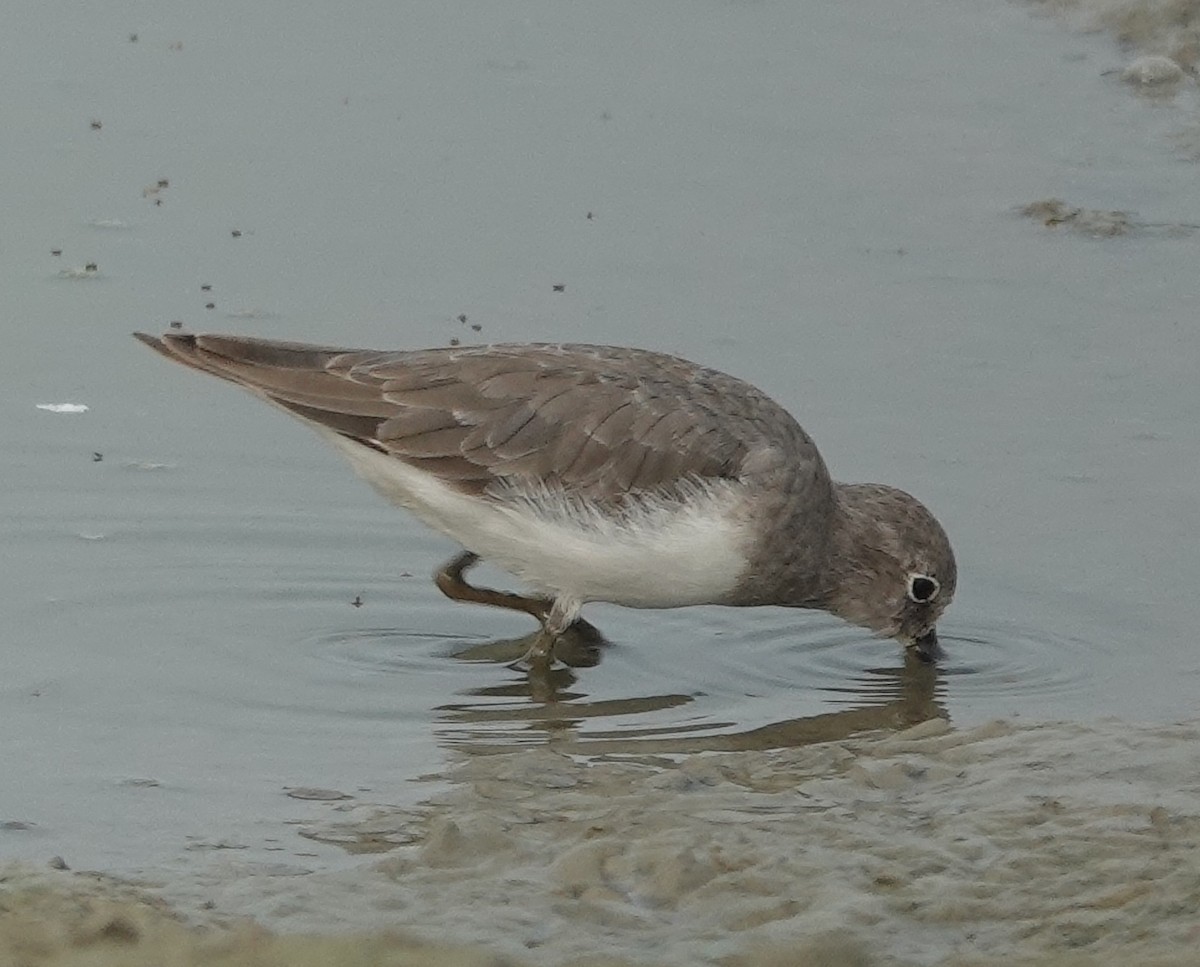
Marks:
<point>1054,844</point>
<point>1165,28</point>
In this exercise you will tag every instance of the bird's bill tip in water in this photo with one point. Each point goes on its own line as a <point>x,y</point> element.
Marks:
<point>926,646</point>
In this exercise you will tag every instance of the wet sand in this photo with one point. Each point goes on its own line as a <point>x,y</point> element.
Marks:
<point>1048,844</point>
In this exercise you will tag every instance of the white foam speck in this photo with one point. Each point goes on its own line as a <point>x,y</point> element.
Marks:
<point>63,407</point>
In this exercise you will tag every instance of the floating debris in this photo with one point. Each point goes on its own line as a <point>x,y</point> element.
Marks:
<point>56,251</point>
<point>315,794</point>
<point>176,324</point>
<point>1053,212</point>
<point>236,233</point>
<point>559,287</point>
<point>63,407</point>
<point>357,602</point>
<point>96,125</point>
<point>97,456</point>
<point>89,271</point>
<point>206,287</point>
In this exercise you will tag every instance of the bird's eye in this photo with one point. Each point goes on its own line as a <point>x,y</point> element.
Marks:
<point>922,588</point>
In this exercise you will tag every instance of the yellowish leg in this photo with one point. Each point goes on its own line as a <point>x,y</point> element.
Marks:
<point>554,616</point>
<point>450,582</point>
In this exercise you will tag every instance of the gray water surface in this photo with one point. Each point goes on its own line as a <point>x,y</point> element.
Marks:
<point>819,198</point>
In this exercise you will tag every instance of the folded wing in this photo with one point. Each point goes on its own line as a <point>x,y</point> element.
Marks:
<point>601,422</point>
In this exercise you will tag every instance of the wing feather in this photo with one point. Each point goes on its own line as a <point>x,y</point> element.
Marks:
<point>601,422</point>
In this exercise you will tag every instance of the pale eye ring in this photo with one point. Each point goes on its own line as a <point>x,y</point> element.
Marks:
<point>922,588</point>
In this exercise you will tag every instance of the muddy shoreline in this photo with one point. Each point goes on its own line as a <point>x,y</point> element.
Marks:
<point>1057,843</point>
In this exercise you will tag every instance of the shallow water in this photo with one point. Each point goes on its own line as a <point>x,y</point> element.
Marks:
<point>822,201</point>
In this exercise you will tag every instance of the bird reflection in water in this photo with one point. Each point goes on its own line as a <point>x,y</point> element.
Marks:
<point>548,703</point>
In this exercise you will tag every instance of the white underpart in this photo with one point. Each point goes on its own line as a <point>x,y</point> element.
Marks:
<point>661,554</point>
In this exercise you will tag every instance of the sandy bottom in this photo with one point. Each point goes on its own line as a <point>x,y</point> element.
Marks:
<point>1051,844</point>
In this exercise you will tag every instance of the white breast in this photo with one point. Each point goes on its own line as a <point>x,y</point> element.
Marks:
<point>660,554</point>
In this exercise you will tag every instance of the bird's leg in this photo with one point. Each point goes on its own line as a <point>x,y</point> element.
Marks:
<point>450,582</point>
<point>555,616</point>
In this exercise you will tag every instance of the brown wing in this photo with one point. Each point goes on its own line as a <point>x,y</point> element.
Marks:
<point>601,421</point>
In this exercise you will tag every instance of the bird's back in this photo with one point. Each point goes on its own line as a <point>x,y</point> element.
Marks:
<point>601,422</point>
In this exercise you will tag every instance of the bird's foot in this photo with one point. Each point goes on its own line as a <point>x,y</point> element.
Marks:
<point>540,655</point>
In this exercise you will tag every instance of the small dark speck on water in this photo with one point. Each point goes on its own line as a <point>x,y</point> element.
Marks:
<point>96,125</point>
<point>406,574</point>
<point>210,305</point>
<point>206,287</point>
<point>176,324</point>
<point>358,601</point>
<point>476,326</point>
<point>590,216</point>
<point>97,456</point>
<point>560,287</point>
<point>91,267</point>
<point>163,183</point>
<point>133,38</point>
<point>454,341</point>
<point>56,251</point>
<point>236,233</point>
<point>463,318</point>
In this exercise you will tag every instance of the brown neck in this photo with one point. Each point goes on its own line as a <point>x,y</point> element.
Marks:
<point>857,550</point>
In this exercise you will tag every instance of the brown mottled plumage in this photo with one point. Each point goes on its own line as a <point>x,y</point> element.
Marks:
<point>624,458</point>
